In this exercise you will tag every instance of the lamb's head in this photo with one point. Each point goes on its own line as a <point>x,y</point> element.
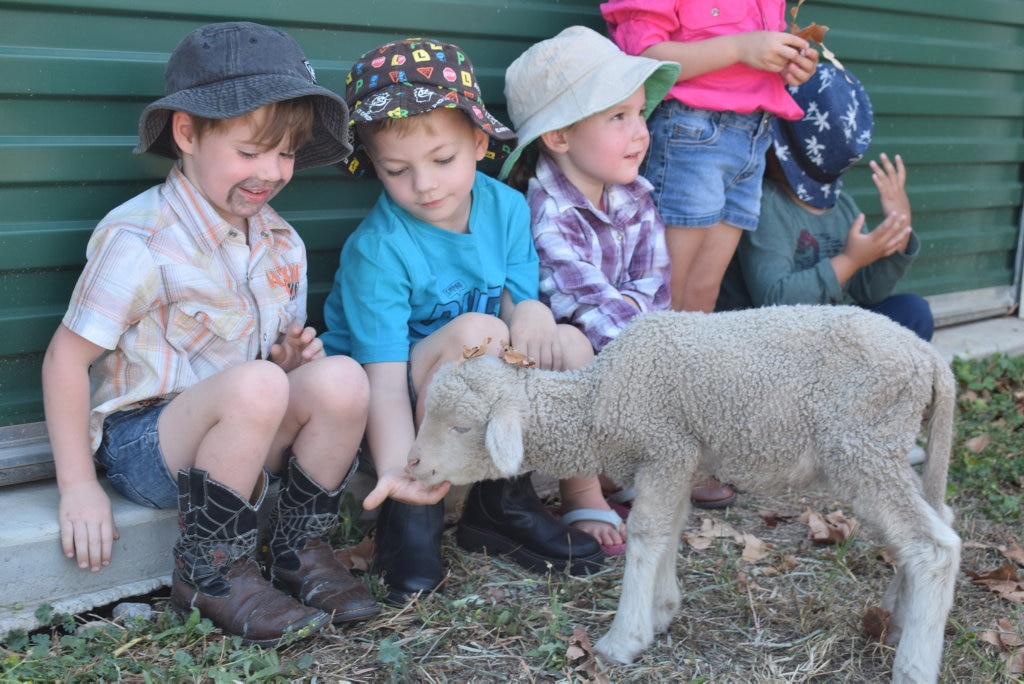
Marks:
<point>471,428</point>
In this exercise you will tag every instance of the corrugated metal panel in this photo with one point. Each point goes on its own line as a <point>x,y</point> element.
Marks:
<point>946,81</point>
<point>74,77</point>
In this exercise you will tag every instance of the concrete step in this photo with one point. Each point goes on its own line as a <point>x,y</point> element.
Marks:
<point>34,571</point>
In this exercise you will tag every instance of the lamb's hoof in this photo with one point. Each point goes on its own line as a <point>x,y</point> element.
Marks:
<point>612,652</point>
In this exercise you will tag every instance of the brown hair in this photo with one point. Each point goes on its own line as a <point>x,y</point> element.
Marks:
<point>292,118</point>
<point>525,167</point>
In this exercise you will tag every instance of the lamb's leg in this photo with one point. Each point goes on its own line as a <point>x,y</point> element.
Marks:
<point>665,600</point>
<point>649,529</point>
<point>886,496</point>
<point>929,560</point>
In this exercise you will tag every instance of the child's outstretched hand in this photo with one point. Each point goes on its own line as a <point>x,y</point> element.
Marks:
<point>298,346</point>
<point>401,486</point>
<point>891,181</point>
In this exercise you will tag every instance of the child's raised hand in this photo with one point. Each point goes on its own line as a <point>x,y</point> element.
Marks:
<point>773,51</point>
<point>891,181</point>
<point>87,530</point>
<point>298,346</point>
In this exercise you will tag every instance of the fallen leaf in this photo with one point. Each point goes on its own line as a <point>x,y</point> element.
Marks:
<point>1004,573</point>
<point>875,623</point>
<point>356,557</point>
<point>978,444</point>
<point>833,528</point>
<point>579,649</point>
<point>754,549</point>
<point>773,518</point>
<point>1014,552</point>
<point>697,541</point>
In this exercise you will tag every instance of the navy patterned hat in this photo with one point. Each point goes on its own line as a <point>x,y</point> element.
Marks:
<point>414,76</point>
<point>834,134</point>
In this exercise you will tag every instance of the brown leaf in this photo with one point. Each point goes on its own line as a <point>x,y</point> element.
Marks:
<point>875,623</point>
<point>579,649</point>
<point>510,354</point>
<point>754,549</point>
<point>1014,552</point>
<point>356,557</point>
<point>978,444</point>
<point>814,33</point>
<point>831,529</point>
<point>1004,573</point>
<point>773,518</point>
<point>473,352</point>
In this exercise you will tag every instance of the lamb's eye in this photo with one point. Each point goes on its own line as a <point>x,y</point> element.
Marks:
<point>459,429</point>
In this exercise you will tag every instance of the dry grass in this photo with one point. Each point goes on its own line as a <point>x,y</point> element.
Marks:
<point>793,616</point>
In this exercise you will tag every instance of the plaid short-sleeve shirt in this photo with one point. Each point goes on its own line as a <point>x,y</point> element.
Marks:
<point>176,294</point>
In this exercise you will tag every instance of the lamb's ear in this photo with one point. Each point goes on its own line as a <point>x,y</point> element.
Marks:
<point>504,440</point>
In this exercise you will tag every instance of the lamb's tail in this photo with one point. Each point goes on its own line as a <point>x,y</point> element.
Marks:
<point>940,436</point>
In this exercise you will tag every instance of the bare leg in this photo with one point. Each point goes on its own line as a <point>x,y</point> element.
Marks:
<point>699,258</point>
<point>226,423</point>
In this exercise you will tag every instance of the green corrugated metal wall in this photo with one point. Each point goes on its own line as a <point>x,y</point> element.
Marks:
<point>945,78</point>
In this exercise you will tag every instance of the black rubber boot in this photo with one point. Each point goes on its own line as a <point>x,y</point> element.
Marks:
<point>216,572</point>
<point>408,549</point>
<point>507,517</point>
<point>300,559</point>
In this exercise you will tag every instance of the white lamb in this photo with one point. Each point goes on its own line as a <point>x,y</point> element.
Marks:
<point>768,399</point>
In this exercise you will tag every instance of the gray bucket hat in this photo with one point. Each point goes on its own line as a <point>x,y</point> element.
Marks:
<point>220,71</point>
<point>576,74</point>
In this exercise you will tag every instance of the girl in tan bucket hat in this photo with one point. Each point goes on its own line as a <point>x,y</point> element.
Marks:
<point>579,106</point>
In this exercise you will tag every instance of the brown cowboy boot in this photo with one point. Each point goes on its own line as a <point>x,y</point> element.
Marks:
<point>215,570</point>
<point>300,559</point>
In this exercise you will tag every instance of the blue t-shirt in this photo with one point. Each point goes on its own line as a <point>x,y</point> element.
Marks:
<point>400,279</point>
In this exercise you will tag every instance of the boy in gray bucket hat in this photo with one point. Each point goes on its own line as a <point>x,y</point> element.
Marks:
<point>188,324</point>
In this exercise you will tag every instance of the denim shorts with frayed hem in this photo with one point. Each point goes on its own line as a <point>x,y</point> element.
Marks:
<point>130,451</point>
<point>706,166</point>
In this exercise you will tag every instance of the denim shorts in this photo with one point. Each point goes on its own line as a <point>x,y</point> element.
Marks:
<point>130,451</point>
<point>706,166</point>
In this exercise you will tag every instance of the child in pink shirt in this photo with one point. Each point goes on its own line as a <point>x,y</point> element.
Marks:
<point>710,134</point>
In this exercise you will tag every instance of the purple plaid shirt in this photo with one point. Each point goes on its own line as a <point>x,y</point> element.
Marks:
<point>590,259</point>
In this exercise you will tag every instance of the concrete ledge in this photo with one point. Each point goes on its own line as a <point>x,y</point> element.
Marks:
<point>976,340</point>
<point>34,571</point>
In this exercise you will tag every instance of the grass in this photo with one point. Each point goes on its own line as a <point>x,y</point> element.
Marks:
<point>794,615</point>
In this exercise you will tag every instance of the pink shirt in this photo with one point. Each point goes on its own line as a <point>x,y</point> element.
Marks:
<point>176,295</point>
<point>635,25</point>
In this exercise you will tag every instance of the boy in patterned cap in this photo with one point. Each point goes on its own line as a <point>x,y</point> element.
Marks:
<point>443,260</point>
<point>810,246</point>
<point>188,323</point>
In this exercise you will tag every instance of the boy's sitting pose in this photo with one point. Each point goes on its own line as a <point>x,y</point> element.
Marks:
<point>444,260</point>
<point>809,247</point>
<point>188,320</point>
